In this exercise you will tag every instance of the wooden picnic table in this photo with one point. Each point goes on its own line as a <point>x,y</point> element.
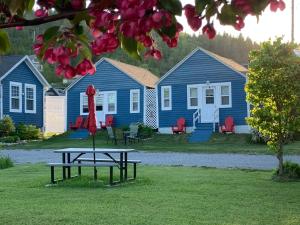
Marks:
<point>68,161</point>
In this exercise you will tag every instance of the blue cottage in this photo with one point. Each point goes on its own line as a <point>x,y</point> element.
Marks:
<point>22,90</point>
<point>124,91</point>
<point>204,88</point>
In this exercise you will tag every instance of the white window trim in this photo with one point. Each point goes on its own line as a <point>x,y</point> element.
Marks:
<point>116,103</point>
<point>220,95</point>
<point>17,84</point>
<point>34,98</point>
<point>163,97</point>
<point>81,104</point>
<point>134,91</point>
<point>189,86</point>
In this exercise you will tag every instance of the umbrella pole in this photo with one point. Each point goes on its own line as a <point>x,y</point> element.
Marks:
<point>95,169</point>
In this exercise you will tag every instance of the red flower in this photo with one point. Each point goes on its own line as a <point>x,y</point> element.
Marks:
<point>209,30</point>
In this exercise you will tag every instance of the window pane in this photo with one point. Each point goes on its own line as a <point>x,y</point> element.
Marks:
<point>209,92</point>
<point>14,91</point>
<point>29,93</point>
<point>15,103</point>
<point>111,107</point>
<point>210,100</point>
<point>194,101</point>
<point>99,103</point>
<point>135,106</point>
<point>225,100</point>
<point>167,103</point>
<point>166,92</point>
<point>111,98</point>
<point>29,104</point>
<point>224,90</point>
<point>135,97</point>
<point>85,108</point>
<point>193,92</point>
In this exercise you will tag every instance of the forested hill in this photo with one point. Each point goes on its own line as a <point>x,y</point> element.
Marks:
<point>224,45</point>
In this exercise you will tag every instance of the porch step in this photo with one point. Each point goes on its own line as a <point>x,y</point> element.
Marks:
<point>202,133</point>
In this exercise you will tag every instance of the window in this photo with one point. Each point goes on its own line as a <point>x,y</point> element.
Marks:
<point>166,98</point>
<point>209,96</point>
<point>99,102</point>
<point>15,97</point>
<point>134,101</point>
<point>112,102</point>
<point>225,95</point>
<point>84,110</point>
<point>30,98</point>
<point>192,95</point>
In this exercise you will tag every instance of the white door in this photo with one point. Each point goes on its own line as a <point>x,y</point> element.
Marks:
<point>208,108</point>
<point>100,111</point>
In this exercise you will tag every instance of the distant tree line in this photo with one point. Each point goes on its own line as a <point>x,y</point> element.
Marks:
<point>236,48</point>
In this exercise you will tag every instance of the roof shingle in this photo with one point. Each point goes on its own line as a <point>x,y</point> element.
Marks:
<point>139,74</point>
<point>7,62</point>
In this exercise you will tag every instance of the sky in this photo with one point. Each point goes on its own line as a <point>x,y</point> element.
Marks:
<point>270,25</point>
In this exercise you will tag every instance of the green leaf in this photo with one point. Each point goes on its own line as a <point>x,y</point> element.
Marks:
<point>200,5</point>
<point>4,42</point>
<point>50,32</point>
<point>78,30</point>
<point>30,4</point>
<point>173,6</point>
<point>227,15</point>
<point>130,46</point>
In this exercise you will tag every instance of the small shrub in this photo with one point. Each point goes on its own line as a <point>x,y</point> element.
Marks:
<point>28,132</point>
<point>5,162</point>
<point>291,171</point>
<point>6,126</point>
<point>10,139</point>
<point>145,131</point>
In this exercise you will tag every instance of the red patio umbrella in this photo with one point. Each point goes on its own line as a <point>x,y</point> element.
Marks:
<point>92,127</point>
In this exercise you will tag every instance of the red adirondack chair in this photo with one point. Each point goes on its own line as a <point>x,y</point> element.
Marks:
<point>77,124</point>
<point>179,127</point>
<point>228,126</point>
<point>108,122</point>
<point>85,123</point>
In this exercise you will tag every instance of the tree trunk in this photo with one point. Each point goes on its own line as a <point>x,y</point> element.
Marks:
<point>280,159</point>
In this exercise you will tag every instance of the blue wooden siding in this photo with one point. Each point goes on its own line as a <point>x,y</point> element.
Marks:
<point>198,69</point>
<point>23,74</point>
<point>107,78</point>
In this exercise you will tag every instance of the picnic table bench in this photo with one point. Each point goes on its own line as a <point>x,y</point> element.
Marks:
<point>67,162</point>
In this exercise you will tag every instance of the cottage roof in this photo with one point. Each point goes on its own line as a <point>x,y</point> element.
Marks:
<point>10,62</point>
<point>139,74</point>
<point>7,62</point>
<point>228,62</point>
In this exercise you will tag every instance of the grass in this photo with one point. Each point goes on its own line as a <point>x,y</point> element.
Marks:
<point>161,195</point>
<point>5,162</point>
<point>219,143</point>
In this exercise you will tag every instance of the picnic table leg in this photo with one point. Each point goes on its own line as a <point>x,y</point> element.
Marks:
<point>52,175</point>
<point>79,168</point>
<point>121,167</point>
<point>134,170</point>
<point>126,165</point>
<point>64,168</point>
<point>111,175</point>
<point>69,161</point>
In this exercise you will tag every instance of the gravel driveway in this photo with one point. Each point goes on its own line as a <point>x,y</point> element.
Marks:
<point>264,162</point>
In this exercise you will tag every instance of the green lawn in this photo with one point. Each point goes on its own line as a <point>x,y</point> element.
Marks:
<point>161,196</point>
<point>219,143</point>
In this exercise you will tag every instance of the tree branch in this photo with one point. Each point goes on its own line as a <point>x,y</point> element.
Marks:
<point>43,20</point>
